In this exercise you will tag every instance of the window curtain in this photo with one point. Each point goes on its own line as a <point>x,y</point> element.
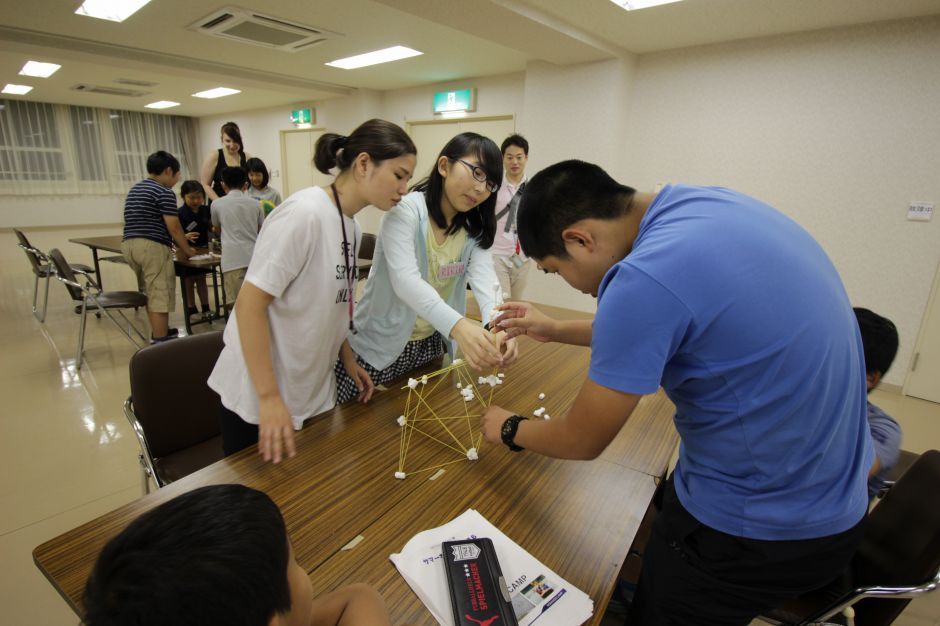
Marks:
<point>52,149</point>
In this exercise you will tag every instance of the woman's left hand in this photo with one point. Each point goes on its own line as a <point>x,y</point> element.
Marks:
<point>362,379</point>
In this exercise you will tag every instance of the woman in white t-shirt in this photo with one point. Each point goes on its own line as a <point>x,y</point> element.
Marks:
<point>429,248</point>
<point>292,315</point>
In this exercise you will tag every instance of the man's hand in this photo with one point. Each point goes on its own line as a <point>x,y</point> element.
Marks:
<point>522,318</point>
<point>492,423</point>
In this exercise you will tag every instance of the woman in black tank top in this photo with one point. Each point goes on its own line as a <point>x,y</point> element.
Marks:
<point>215,162</point>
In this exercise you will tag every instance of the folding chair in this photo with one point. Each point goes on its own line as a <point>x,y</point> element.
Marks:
<point>90,295</point>
<point>42,268</point>
<point>172,410</point>
<point>898,559</point>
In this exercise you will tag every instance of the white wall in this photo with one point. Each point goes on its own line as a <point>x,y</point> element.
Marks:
<point>839,129</point>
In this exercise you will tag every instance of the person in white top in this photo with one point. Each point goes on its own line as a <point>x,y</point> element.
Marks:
<point>511,265</point>
<point>429,248</point>
<point>296,305</point>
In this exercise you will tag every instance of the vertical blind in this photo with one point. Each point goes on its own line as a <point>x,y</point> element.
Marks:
<point>49,149</point>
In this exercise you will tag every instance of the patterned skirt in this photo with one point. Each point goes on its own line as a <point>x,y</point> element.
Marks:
<point>416,353</point>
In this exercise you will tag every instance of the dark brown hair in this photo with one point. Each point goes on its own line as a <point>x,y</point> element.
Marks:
<point>379,139</point>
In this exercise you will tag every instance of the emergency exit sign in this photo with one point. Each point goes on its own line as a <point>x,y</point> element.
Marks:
<point>302,116</point>
<point>462,100</point>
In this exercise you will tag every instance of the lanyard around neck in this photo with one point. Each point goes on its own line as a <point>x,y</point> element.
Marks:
<point>350,277</point>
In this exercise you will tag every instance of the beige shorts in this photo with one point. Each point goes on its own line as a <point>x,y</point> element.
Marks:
<point>153,264</point>
<point>232,281</point>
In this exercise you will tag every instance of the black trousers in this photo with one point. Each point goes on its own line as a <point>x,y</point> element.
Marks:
<point>237,434</point>
<point>693,574</point>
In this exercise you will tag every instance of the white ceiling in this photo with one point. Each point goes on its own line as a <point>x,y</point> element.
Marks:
<point>459,38</point>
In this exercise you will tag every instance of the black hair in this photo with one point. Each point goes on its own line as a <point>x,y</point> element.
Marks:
<point>379,139</point>
<point>235,134</point>
<point>480,221</point>
<point>234,177</point>
<point>192,186</point>
<point>160,160</point>
<point>254,164</point>
<point>515,140</point>
<point>879,340</point>
<point>215,555</point>
<point>561,195</point>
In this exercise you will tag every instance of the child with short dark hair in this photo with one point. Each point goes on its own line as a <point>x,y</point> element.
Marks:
<point>196,222</point>
<point>216,555</point>
<point>258,176</point>
<point>880,343</point>
<point>151,227</point>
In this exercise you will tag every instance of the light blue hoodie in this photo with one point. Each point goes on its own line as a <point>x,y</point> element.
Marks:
<point>397,291</point>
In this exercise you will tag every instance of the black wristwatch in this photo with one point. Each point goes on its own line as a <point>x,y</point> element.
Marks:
<point>508,432</point>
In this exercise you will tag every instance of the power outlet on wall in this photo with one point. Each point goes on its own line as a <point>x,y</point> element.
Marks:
<point>920,211</point>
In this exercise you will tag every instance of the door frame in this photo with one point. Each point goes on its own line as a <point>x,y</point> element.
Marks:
<point>932,301</point>
<point>283,147</point>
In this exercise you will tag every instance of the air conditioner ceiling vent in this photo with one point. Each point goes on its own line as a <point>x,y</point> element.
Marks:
<point>108,91</point>
<point>257,29</point>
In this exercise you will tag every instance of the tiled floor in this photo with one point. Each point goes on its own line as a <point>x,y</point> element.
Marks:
<point>69,454</point>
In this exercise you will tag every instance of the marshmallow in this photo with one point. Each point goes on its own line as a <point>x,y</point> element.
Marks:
<point>401,420</point>
<point>541,396</point>
<point>412,383</point>
<point>400,475</point>
<point>472,454</point>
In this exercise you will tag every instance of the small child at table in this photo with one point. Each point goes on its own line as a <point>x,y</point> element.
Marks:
<point>196,221</point>
<point>216,555</point>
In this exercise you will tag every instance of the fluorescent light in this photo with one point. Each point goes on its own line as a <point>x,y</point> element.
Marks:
<point>449,115</point>
<point>17,89</point>
<point>633,5</point>
<point>113,10</point>
<point>218,92</point>
<point>39,70</point>
<point>160,104</point>
<point>394,53</point>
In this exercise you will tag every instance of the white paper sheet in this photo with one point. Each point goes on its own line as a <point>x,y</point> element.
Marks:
<point>539,595</point>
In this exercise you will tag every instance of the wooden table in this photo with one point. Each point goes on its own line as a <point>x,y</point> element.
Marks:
<point>579,518</point>
<point>112,243</point>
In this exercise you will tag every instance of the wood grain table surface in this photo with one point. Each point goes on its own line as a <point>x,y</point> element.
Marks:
<point>579,518</point>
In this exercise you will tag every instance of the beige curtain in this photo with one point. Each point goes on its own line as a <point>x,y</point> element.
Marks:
<point>52,149</point>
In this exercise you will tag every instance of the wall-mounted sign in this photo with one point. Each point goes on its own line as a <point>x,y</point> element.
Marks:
<point>462,100</point>
<point>302,116</point>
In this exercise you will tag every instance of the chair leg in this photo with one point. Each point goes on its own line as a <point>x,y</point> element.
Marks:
<point>81,336</point>
<point>45,300</point>
<point>144,475</point>
<point>122,329</point>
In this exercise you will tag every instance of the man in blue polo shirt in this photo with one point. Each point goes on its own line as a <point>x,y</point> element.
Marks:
<point>741,317</point>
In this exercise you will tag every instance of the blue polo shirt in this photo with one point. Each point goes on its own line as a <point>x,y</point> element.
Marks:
<point>740,316</point>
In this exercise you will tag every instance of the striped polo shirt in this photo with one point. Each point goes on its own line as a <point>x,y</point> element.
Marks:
<point>146,204</point>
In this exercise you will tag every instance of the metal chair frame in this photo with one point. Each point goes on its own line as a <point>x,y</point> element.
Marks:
<point>145,456</point>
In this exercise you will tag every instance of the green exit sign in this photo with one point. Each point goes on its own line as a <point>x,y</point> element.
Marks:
<point>302,116</point>
<point>462,100</point>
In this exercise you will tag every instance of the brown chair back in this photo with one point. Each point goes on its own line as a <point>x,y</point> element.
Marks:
<point>170,395</point>
<point>38,266</point>
<point>366,247</point>
<point>902,539</point>
<point>64,270</point>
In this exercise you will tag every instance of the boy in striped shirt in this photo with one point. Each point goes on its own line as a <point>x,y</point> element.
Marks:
<point>151,225</point>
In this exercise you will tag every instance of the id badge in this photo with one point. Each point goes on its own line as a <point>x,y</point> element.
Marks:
<point>517,260</point>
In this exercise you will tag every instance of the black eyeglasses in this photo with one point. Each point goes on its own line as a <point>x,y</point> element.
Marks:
<point>480,176</point>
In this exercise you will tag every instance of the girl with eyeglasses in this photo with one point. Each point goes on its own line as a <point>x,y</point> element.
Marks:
<point>429,248</point>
